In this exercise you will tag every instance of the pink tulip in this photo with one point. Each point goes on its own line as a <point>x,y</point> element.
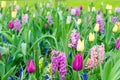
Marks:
<point>11,25</point>
<point>77,62</point>
<point>118,44</point>
<point>31,66</point>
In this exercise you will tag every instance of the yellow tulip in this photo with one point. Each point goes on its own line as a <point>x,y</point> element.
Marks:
<point>80,45</point>
<point>96,28</point>
<point>40,5</point>
<point>78,22</point>
<point>3,4</point>
<point>118,25</point>
<point>91,37</point>
<point>40,62</point>
<point>68,21</point>
<point>93,9</point>
<point>115,28</point>
<point>108,7</point>
<point>110,11</point>
<point>15,2</point>
<point>14,13</point>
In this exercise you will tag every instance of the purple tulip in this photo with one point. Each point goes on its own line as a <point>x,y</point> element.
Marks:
<point>81,7</point>
<point>31,66</point>
<point>118,44</point>
<point>11,24</point>
<point>77,62</point>
<point>67,8</point>
<point>0,55</point>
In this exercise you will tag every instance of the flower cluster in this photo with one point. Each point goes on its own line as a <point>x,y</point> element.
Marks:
<point>100,21</point>
<point>74,37</point>
<point>97,55</point>
<point>59,63</point>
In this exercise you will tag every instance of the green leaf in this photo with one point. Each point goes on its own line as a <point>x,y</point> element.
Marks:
<point>107,69</point>
<point>8,73</point>
<point>32,77</point>
<point>2,68</point>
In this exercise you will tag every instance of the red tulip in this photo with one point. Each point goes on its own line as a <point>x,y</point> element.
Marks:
<point>31,66</point>
<point>77,62</point>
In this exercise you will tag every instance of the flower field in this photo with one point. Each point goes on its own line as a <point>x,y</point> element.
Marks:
<point>52,41</point>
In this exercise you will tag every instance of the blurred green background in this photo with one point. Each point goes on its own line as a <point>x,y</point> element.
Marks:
<point>70,3</point>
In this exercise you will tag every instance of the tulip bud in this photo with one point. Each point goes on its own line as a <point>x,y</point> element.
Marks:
<point>3,4</point>
<point>69,18</point>
<point>77,62</point>
<point>78,21</point>
<point>11,25</point>
<point>40,62</point>
<point>31,66</point>
<point>80,45</point>
<point>23,46</point>
<point>115,28</point>
<point>96,28</point>
<point>118,44</point>
<point>91,37</point>
<point>14,13</point>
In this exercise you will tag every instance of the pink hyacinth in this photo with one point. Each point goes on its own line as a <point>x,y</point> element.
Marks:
<point>31,66</point>
<point>17,24</point>
<point>100,21</point>
<point>11,24</point>
<point>59,63</point>
<point>74,37</point>
<point>118,44</point>
<point>97,53</point>
<point>77,62</point>
<point>24,18</point>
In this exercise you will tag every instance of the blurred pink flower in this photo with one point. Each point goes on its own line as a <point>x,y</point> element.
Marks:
<point>24,18</point>
<point>118,44</point>
<point>117,10</point>
<point>77,62</point>
<point>17,7</point>
<point>73,11</point>
<point>31,66</point>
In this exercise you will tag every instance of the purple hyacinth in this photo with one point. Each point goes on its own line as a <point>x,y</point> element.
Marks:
<point>49,19</point>
<point>114,19</point>
<point>17,24</point>
<point>59,63</point>
<point>17,7</point>
<point>117,10</point>
<point>77,12</point>
<point>24,18</point>
<point>100,21</point>
<point>74,37</point>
